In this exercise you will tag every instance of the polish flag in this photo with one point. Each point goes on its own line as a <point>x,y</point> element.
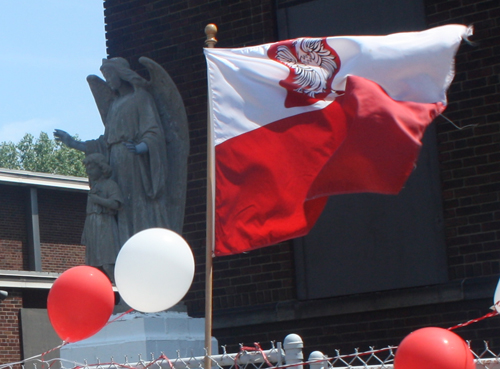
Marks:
<point>297,121</point>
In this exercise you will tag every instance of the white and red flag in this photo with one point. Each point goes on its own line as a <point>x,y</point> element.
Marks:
<point>299,120</point>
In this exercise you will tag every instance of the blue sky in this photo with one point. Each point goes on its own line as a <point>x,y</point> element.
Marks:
<point>47,49</point>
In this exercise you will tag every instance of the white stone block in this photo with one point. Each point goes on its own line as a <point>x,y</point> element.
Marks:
<point>173,333</point>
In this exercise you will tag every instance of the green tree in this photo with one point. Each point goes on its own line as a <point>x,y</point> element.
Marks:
<point>42,155</point>
<point>9,157</point>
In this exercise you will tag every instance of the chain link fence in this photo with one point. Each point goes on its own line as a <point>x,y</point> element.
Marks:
<point>279,356</point>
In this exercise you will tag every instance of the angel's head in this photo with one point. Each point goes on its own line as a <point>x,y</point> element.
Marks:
<point>117,70</point>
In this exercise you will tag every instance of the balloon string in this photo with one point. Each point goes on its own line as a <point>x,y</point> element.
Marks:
<point>119,316</point>
<point>489,315</point>
<point>255,348</point>
<point>64,343</point>
<point>162,357</point>
<point>10,365</point>
<point>456,126</point>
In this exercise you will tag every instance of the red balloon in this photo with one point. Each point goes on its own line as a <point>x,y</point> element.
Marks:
<point>80,303</point>
<point>433,348</point>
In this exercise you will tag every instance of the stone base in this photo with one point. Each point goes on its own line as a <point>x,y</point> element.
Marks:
<point>149,335</point>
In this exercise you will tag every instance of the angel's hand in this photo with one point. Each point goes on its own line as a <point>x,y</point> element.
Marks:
<point>63,136</point>
<point>140,148</point>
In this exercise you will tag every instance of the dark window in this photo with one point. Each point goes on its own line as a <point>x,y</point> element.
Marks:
<point>369,242</point>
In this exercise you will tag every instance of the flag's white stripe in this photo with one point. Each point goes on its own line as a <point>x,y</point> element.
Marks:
<point>411,66</point>
<point>414,66</point>
<point>246,93</point>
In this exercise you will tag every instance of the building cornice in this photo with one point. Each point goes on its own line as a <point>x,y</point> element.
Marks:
<point>27,279</point>
<point>43,180</point>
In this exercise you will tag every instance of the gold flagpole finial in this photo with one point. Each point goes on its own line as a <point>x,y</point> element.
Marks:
<point>211,31</point>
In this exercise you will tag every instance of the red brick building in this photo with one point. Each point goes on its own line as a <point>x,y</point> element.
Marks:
<point>41,221</point>
<point>268,293</point>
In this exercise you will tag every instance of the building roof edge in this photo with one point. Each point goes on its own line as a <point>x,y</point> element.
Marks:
<point>36,179</point>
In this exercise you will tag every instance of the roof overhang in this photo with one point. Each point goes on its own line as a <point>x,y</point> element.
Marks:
<point>24,279</point>
<point>27,279</point>
<point>36,179</point>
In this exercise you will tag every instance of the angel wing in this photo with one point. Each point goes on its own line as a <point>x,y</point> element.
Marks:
<point>175,125</point>
<point>103,95</point>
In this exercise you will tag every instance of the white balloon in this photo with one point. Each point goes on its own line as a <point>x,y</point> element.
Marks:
<point>154,270</point>
<point>496,298</point>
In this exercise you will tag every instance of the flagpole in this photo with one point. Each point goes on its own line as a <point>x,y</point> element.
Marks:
<point>210,31</point>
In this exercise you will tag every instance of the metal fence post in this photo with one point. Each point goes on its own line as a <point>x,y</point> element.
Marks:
<point>293,345</point>
<point>316,360</point>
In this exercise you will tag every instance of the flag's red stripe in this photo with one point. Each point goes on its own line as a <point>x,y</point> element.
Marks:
<point>271,183</point>
<point>263,177</point>
<point>382,144</point>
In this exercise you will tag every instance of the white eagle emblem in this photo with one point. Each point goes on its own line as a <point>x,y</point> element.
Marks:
<point>313,69</point>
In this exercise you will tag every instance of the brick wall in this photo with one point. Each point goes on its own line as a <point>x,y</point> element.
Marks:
<point>13,228</point>
<point>56,257</point>
<point>61,214</point>
<point>264,277</point>
<point>470,158</point>
<point>10,341</point>
<point>61,218</point>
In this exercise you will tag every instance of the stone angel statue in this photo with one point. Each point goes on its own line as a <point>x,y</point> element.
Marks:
<point>145,141</point>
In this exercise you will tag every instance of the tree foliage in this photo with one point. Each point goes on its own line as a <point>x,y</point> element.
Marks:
<point>42,154</point>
